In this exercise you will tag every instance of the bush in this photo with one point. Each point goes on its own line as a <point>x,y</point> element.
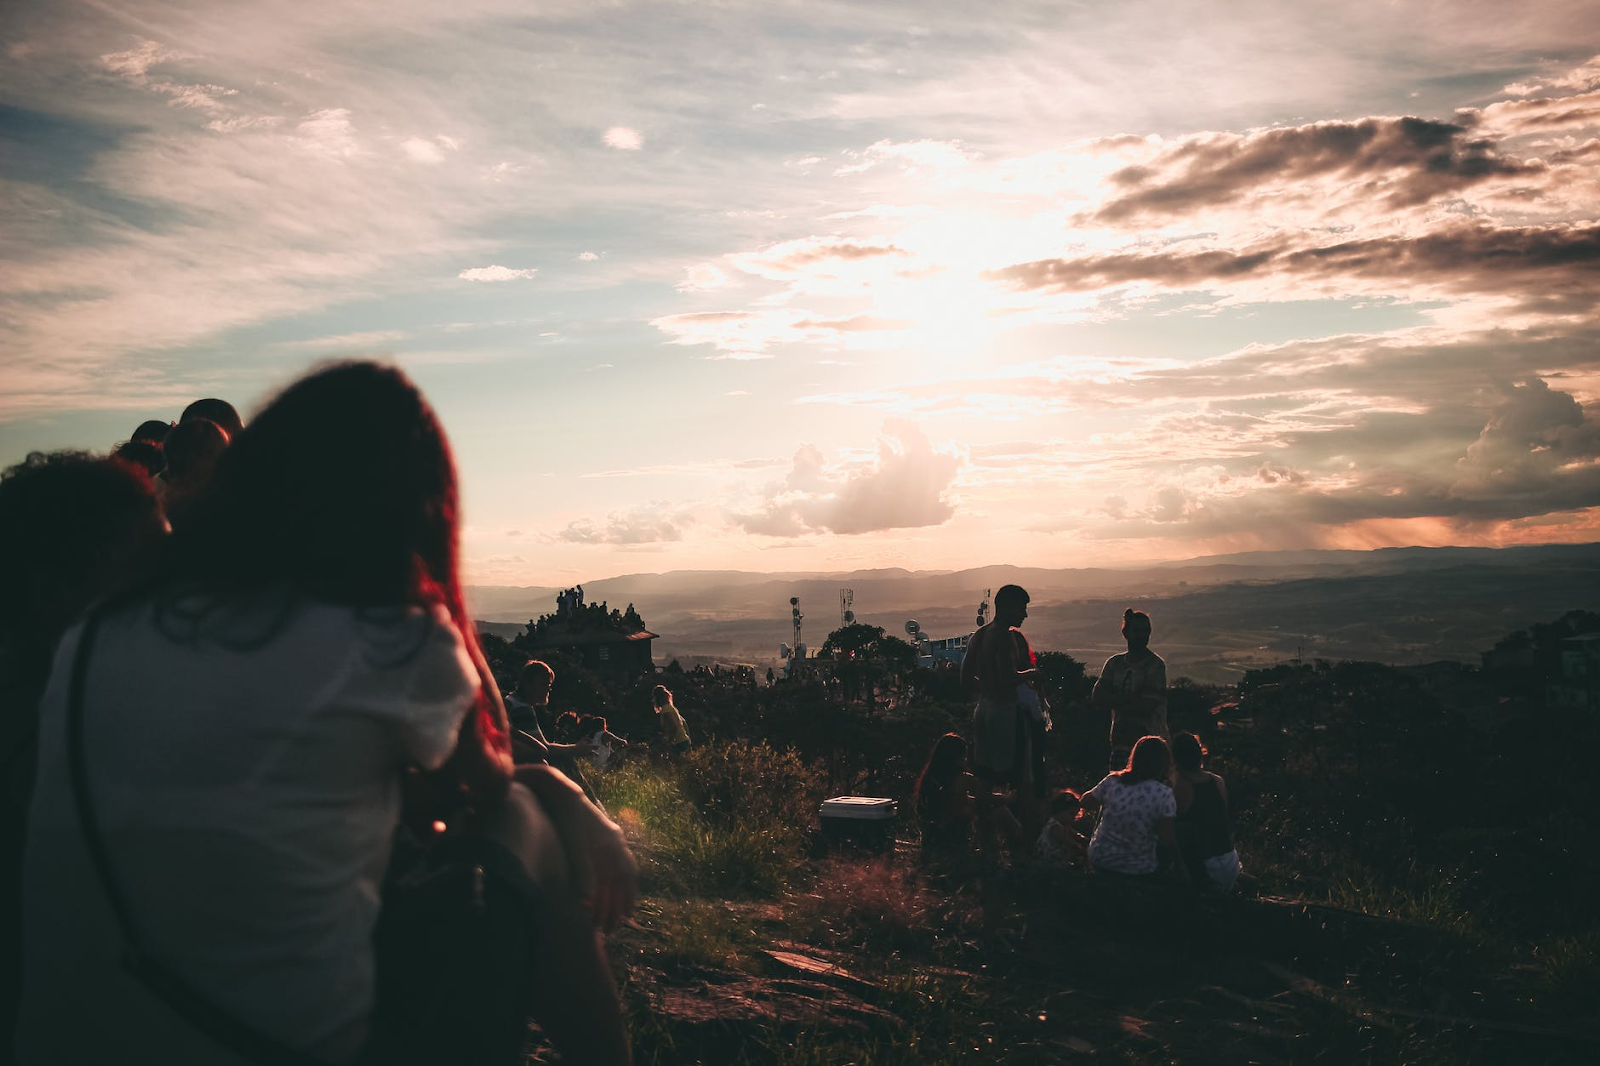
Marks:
<point>752,784</point>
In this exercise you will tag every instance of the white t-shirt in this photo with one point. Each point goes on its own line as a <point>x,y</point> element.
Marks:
<point>246,777</point>
<point>1125,839</point>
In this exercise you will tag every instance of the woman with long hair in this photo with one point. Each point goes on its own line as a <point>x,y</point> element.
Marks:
<point>224,751</point>
<point>943,799</point>
<point>1204,838</point>
<point>1135,832</point>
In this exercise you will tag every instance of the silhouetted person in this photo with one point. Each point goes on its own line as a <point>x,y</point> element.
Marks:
<point>1204,838</point>
<point>673,732</point>
<point>528,738</point>
<point>606,744</point>
<point>192,451</point>
<point>72,529</point>
<point>247,720</point>
<point>1059,844</point>
<point>213,410</point>
<point>1134,685</point>
<point>146,455</point>
<point>1135,834</point>
<point>995,664</point>
<point>943,801</point>
<point>153,430</point>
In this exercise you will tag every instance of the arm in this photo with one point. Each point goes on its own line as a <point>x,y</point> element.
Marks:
<point>969,662</point>
<point>1104,695</point>
<point>603,870</point>
<point>1167,845</point>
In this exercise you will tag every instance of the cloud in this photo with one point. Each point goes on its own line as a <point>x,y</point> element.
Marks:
<point>421,151</point>
<point>1402,161</point>
<point>1556,268</point>
<point>623,139</point>
<point>497,273</point>
<point>904,486</point>
<point>135,63</point>
<point>366,339</point>
<point>652,523</point>
<point>1536,453</point>
<point>1581,78</point>
<point>587,257</point>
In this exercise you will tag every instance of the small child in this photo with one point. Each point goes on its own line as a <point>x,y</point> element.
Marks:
<point>1060,845</point>
<point>606,743</point>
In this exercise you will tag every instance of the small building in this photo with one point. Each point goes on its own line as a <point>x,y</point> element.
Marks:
<point>1578,686</point>
<point>609,642</point>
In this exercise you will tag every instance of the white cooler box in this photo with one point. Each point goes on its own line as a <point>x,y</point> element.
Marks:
<point>864,820</point>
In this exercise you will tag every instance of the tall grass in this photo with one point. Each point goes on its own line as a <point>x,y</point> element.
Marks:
<point>726,820</point>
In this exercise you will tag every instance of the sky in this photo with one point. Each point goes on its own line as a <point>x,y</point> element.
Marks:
<point>824,286</point>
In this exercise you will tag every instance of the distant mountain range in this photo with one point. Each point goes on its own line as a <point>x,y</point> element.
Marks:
<point>1214,617</point>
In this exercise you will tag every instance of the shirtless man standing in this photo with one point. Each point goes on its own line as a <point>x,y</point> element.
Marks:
<point>995,664</point>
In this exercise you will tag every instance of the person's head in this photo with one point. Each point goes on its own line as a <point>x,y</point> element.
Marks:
<point>214,410</point>
<point>144,454</point>
<point>343,489</point>
<point>192,450</point>
<point>1188,753</point>
<point>1065,805</point>
<point>1136,629</point>
<point>1150,760</point>
<point>534,683</point>
<point>566,727</point>
<point>590,724</point>
<point>154,431</point>
<point>73,528</point>
<point>947,759</point>
<point>1011,605</point>
<point>660,696</point>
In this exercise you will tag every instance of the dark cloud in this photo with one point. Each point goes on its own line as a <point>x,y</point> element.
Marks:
<point>1555,268</point>
<point>1537,453</point>
<point>1411,160</point>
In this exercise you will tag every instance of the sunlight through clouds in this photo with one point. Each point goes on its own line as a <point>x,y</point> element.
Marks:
<point>1104,286</point>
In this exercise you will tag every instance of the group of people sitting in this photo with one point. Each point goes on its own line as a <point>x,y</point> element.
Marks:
<point>264,801</point>
<point>1158,813</point>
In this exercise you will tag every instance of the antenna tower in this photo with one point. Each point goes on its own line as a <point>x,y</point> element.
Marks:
<point>983,609</point>
<point>846,598</point>
<point>794,611</point>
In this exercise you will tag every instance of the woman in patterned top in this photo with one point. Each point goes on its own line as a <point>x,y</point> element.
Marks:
<point>1135,834</point>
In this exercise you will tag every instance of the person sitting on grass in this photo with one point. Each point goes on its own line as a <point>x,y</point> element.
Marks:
<point>227,755</point>
<point>607,745</point>
<point>673,732</point>
<point>1060,845</point>
<point>1135,835</point>
<point>528,741</point>
<point>942,799</point>
<point>1203,836</point>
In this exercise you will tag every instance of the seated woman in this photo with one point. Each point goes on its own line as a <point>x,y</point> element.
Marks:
<point>222,757</point>
<point>1203,835</point>
<point>607,745</point>
<point>1135,834</point>
<point>943,800</point>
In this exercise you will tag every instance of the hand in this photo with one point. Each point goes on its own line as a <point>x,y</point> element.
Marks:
<point>603,869</point>
<point>583,747</point>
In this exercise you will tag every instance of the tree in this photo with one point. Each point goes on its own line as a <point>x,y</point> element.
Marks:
<point>857,638</point>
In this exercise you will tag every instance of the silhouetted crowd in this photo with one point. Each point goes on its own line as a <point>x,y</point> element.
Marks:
<point>1161,814</point>
<point>264,801</point>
